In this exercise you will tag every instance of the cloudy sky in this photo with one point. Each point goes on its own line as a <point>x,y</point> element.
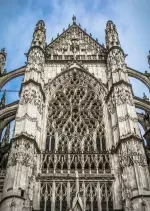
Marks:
<point>18,19</point>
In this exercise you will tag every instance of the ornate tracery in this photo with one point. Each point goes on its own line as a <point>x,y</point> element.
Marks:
<point>75,142</point>
<point>75,116</point>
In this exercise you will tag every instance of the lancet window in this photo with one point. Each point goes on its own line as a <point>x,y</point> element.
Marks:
<point>60,196</point>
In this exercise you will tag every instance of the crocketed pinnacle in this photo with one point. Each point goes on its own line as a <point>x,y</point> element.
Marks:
<point>3,100</point>
<point>3,55</point>
<point>112,38</point>
<point>39,36</point>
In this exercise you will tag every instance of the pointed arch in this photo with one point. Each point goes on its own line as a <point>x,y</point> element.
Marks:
<point>88,143</point>
<point>75,145</point>
<point>83,74</point>
<point>62,143</point>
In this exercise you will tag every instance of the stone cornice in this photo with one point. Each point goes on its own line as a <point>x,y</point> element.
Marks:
<point>103,61</point>
<point>36,46</point>
<point>72,177</point>
<point>123,140</point>
<point>115,47</point>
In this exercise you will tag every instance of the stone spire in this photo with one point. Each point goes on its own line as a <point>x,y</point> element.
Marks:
<point>112,38</point>
<point>36,56</point>
<point>39,36</point>
<point>2,60</point>
<point>6,137</point>
<point>3,100</point>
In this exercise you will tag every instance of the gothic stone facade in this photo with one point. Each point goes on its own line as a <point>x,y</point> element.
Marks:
<point>76,143</point>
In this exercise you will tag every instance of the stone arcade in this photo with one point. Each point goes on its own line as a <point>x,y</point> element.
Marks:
<point>76,144</point>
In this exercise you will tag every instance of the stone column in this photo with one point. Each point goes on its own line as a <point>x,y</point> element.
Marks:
<point>128,149</point>
<point>21,169</point>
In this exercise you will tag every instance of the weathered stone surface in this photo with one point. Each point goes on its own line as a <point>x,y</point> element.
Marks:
<point>76,143</point>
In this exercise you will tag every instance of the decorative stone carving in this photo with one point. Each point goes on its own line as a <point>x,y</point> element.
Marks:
<point>74,44</point>
<point>88,193</point>
<point>32,96</point>
<point>121,95</point>
<point>26,116</point>
<point>75,110</point>
<point>130,155</point>
<point>112,38</point>
<point>116,61</point>
<point>39,35</point>
<point>36,62</point>
<point>22,152</point>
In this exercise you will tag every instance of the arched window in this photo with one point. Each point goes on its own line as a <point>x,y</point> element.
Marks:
<point>75,110</point>
<point>50,142</point>
<point>63,144</point>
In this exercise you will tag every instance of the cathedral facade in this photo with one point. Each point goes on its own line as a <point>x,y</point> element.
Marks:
<point>76,144</point>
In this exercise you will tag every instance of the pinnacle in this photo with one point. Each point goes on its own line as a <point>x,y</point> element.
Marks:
<point>74,19</point>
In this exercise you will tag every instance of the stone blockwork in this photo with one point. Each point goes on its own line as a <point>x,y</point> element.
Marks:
<point>76,143</point>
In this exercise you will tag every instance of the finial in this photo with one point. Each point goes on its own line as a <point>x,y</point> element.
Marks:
<point>149,59</point>
<point>3,50</point>
<point>3,99</point>
<point>112,38</point>
<point>79,25</point>
<point>52,39</point>
<point>90,35</point>
<point>74,19</point>
<point>63,29</point>
<point>96,40</point>
<point>58,35</point>
<point>69,25</point>
<point>85,29</point>
<point>145,97</point>
<point>6,137</point>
